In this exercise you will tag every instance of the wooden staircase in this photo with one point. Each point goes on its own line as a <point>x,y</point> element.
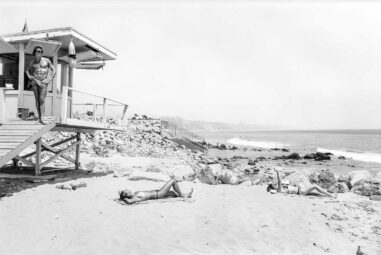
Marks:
<point>17,135</point>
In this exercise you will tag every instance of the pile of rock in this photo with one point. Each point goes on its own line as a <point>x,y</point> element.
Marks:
<point>316,156</point>
<point>359,181</point>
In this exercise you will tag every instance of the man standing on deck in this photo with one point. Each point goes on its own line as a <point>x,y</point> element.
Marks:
<point>37,73</point>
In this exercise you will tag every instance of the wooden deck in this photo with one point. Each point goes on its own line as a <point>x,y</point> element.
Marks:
<point>16,135</point>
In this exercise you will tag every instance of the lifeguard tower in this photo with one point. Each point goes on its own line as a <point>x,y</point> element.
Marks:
<point>17,132</point>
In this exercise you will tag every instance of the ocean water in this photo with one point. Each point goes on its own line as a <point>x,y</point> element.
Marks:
<point>359,145</point>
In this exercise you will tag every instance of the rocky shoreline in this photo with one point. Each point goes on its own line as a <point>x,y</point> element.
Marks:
<point>221,164</point>
<point>144,138</point>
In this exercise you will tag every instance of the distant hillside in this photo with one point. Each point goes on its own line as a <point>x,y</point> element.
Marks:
<point>212,126</point>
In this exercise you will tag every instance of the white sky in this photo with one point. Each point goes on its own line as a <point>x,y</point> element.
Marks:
<point>288,64</point>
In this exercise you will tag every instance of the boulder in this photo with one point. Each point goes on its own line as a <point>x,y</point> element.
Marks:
<point>309,156</point>
<point>293,156</point>
<point>230,177</point>
<point>322,156</point>
<point>224,175</point>
<point>345,178</point>
<point>206,176</point>
<point>222,146</point>
<point>358,175</point>
<point>251,162</point>
<point>298,178</point>
<point>184,172</point>
<point>324,179</point>
<point>339,187</point>
<point>215,169</point>
<point>367,188</point>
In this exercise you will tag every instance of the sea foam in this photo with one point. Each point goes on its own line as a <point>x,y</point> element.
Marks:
<point>239,141</point>
<point>360,156</point>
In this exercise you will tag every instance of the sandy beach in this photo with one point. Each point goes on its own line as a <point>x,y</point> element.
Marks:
<point>219,219</point>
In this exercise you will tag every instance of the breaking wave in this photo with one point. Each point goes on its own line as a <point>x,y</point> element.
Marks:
<point>239,141</point>
<point>360,156</point>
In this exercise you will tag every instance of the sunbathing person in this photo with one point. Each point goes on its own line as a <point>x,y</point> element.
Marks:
<point>298,190</point>
<point>129,197</point>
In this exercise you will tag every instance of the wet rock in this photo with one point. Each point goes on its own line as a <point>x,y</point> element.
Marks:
<point>222,146</point>
<point>251,162</point>
<point>325,179</point>
<point>339,187</point>
<point>309,156</point>
<point>322,156</point>
<point>341,157</point>
<point>293,156</point>
<point>238,157</point>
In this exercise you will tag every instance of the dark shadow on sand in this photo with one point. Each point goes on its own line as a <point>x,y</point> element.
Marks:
<point>13,179</point>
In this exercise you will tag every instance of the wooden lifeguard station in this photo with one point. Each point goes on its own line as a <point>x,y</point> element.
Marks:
<point>16,101</point>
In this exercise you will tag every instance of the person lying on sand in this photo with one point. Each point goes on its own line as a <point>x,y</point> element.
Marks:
<point>298,190</point>
<point>129,197</point>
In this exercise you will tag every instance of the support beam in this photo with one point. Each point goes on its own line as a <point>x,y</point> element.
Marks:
<point>64,104</point>
<point>57,155</point>
<point>38,157</point>
<point>54,85</point>
<point>21,75</point>
<point>53,145</point>
<point>25,161</point>
<point>94,112</point>
<point>71,78</point>
<point>47,147</point>
<point>2,105</point>
<point>78,152</point>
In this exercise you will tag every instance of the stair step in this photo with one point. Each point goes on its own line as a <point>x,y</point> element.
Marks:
<point>13,139</point>
<point>17,132</point>
<point>8,145</point>
<point>22,127</point>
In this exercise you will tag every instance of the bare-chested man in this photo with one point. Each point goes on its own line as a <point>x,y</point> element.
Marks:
<point>37,73</point>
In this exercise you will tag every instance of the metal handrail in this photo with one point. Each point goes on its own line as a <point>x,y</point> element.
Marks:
<point>179,130</point>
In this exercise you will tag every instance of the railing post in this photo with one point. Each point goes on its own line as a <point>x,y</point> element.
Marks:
<point>104,110</point>
<point>124,112</point>
<point>77,152</point>
<point>64,104</point>
<point>94,112</point>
